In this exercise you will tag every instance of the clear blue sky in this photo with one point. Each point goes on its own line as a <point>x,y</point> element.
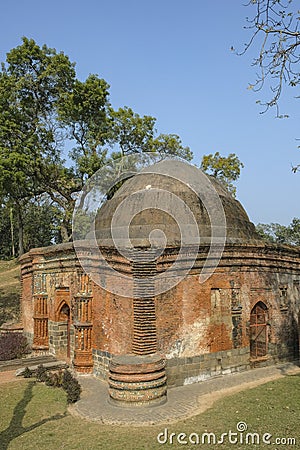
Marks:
<point>172,59</point>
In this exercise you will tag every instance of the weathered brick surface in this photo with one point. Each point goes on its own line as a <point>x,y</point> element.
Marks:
<point>112,322</point>
<point>202,329</point>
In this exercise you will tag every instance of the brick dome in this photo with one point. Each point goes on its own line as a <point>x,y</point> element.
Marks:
<point>169,196</point>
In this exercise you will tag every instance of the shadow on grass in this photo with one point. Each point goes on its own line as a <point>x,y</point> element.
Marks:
<point>15,428</point>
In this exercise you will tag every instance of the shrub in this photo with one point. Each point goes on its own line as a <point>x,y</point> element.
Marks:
<point>12,346</point>
<point>41,373</point>
<point>71,386</point>
<point>61,378</point>
<point>55,379</point>
<point>49,381</point>
<point>27,373</point>
<point>66,379</point>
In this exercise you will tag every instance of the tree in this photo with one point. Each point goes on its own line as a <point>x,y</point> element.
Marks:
<point>133,133</point>
<point>44,107</point>
<point>295,231</point>
<point>274,233</point>
<point>280,234</point>
<point>226,169</point>
<point>276,23</point>
<point>31,83</point>
<point>7,232</point>
<point>130,132</point>
<point>41,223</point>
<point>84,113</point>
<point>170,144</point>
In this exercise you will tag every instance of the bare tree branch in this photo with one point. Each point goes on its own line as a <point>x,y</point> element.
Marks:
<point>279,54</point>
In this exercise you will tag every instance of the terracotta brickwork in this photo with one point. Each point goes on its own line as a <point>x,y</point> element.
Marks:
<point>40,322</point>
<point>112,322</point>
<point>202,329</point>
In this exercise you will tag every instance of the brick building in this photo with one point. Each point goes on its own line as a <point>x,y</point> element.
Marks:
<point>245,314</point>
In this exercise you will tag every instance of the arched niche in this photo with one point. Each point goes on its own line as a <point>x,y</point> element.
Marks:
<point>259,331</point>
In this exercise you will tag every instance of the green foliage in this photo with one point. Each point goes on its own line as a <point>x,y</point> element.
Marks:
<point>44,108</point>
<point>71,386</point>
<point>280,234</point>
<point>84,112</point>
<point>54,379</point>
<point>170,144</point>
<point>295,231</point>
<point>41,373</point>
<point>130,131</point>
<point>31,84</point>
<point>135,134</point>
<point>6,227</point>
<point>41,223</point>
<point>226,169</point>
<point>61,379</point>
<point>27,373</point>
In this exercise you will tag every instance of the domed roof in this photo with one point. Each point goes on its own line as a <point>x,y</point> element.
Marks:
<point>172,201</point>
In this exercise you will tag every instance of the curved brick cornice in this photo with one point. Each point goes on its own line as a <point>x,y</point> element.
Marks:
<point>254,256</point>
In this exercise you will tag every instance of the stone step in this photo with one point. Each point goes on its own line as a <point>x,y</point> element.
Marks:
<point>13,364</point>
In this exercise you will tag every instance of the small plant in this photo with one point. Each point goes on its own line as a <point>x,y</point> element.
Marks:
<point>66,379</point>
<point>71,386</point>
<point>60,375</point>
<point>12,346</point>
<point>61,378</point>
<point>41,373</point>
<point>49,380</point>
<point>54,379</point>
<point>27,373</point>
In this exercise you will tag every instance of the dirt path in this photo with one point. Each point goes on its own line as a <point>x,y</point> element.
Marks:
<point>8,376</point>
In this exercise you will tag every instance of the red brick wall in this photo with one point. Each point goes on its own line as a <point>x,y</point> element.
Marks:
<point>190,321</point>
<point>112,322</point>
<point>27,303</point>
<point>191,318</point>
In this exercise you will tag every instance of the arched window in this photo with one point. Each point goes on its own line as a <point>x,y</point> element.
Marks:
<point>258,331</point>
<point>64,313</point>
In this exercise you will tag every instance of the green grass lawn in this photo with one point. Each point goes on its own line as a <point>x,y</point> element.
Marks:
<point>34,416</point>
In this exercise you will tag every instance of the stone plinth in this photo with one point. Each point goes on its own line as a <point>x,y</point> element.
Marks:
<point>83,361</point>
<point>137,380</point>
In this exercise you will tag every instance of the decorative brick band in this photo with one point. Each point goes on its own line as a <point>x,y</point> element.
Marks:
<point>144,329</point>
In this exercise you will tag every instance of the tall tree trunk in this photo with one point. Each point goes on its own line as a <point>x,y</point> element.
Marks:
<point>12,232</point>
<point>64,232</point>
<point>66,223</point>
<point>20,230</point>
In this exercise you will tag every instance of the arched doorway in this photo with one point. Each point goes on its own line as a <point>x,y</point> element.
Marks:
<point>64,318</point>
<point>258,331</point>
